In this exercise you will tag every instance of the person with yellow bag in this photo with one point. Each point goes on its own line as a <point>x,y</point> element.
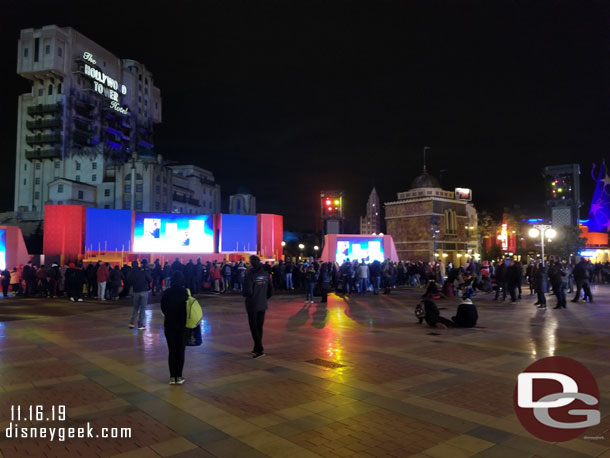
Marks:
<point>173,307</point>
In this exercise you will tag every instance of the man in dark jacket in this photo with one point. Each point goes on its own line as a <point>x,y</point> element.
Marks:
<point>173,306</point>
<point>512,279</point>
<point>139,279</point>
<point>257,289</point>
<point>582,276</point>
<point>467,314</point>
<point>500,280</point>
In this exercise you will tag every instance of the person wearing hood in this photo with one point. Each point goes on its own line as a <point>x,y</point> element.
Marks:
<point>467,314</point>
<point>257,290</point>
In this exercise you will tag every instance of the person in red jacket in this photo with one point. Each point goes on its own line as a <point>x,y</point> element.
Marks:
<point>102,278</point>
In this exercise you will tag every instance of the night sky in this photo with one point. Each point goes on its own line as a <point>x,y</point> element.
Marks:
<point>288,98</point>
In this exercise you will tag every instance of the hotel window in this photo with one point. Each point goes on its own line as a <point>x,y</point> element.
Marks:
<point>78,166</point>
<point>165,191</point>
<point>145,80</point>
<point>106,192</point>
<point>77,177</point>
<point>158,189</point>
<point>94,165</point>
<point>106,206</point>
<point>37,180</point>
<point>80,194</point>
<point>140,77</point>
<point>40,92</point>
<point>47,49</point>
<point>127,188</point>
<point>38,166</point>
<point>140,98</point>
<point>57,164</point>
<point>59,88</point>
<point>59,52</point>
<point>25,167</point>
<point>25,52</point>
<point>50,89</point>
<point>127,205</point>
<point>138,188</point>
<point>93,177</point>
<point>138,205</point>
<point>450,222</point>
<point>36,48</point>
<point>36,195</point>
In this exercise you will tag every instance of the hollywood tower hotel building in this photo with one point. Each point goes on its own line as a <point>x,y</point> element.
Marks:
<point>85,131</point>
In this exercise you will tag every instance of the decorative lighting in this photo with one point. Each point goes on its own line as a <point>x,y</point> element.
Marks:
<point>283,243</point>
<point>301,246</point>
<point>316,247</point>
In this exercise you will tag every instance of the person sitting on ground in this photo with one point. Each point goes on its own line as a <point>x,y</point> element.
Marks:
<point>433,316</point>
<point>467,314</point>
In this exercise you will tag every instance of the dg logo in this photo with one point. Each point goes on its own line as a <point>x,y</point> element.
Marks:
<point>556,399</point>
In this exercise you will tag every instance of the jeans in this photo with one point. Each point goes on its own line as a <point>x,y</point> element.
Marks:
<point>376,280</point>
<point>176,343</point>
<point>364,284</point>
<point>256,321</point>
<point>309,291</point>
<point>168,282</point>
<point>101,290</point>
<point>560,292</point>
<point>289,284</point>
<point>541,296</point>
<point>139,305</point>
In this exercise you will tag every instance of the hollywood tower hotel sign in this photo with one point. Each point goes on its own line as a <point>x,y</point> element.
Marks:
<point>104,84</point>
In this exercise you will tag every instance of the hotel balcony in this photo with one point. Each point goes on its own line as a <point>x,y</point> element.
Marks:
<point>39,139</point>
<point>41,109</point>
<point>43,124</point>
<point>44,153</point>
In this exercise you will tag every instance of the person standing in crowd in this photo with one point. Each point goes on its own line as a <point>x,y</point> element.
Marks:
<point>75,281</point>
<point>582,276</point>
<point>325,279</point>
<point>114,282</point>
<point>227,271</point>
<point>512,280</point>
<point>388,274</point>
<point>241,275</point>
<point>310,283</point>
<point>15,282</point>
<point>289,270</point>
<point>362,274</point>
<point>139,279</point>
<point>558,282</point>
<point>28,274</point>
<point>157,277</point>
<point>375,273</point>
<point>173,306</point>
<point>500,280</point>
<point>257,290</point>
<point>540,275</point>
<point>6,281</point>
<point>167,275</point>
<point>102,277</point>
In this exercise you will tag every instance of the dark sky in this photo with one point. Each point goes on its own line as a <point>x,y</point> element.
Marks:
<point>292,97</point>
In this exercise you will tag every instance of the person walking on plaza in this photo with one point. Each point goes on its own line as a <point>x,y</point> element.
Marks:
<point>310,283</point>
<point>75,281</point>
<point>140,279</point>
<point>102,277</point>
<point>173,306</point>
<point>15,282</point>
<point>257,290</point>
<point>582,276</point>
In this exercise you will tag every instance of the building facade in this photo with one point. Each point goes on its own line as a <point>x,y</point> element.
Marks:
<point>85,133</point>
<point>194,190</point>
<point>88,116</point>
<point>371,222</point>
<point>429,223</point>
<point>242,204</point>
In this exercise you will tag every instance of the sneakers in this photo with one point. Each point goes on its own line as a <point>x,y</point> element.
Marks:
<point>131,325</point>
<point>179,380</point>
<point>258,355</point>
<point>80,299</point>
<point>541,306</point>
<point>72,299</point>
<point>172,380</point>
<point>141,328</point>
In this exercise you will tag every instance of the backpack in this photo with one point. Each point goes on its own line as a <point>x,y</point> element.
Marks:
<point>420,310</point>
<point>194,314</point>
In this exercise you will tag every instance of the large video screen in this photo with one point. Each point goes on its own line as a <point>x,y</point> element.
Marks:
<point>173,233</point>
<point>369,249</point>
<point>238,233</point>
<point>108,230</point>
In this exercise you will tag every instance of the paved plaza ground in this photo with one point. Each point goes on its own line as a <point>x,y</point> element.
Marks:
<point>358,378</point>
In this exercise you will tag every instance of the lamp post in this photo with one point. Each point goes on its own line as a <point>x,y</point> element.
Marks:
<point>301,247</point>
<point>542,230</point>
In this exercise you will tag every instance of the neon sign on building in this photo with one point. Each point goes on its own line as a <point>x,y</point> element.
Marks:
<point>105,85</point>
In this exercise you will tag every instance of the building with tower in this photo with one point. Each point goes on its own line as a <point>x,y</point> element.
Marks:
<point>371,222</point>
<point>85,133</point>
<point>429,223</point>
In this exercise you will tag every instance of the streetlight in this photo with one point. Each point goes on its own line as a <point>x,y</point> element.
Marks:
<point>542,230</point>
<point>316,248</point>
<point>301,247</point>
<point>283,243</point>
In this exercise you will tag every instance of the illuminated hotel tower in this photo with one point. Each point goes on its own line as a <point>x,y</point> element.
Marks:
<point>371,223</point>
<point>85,130</point>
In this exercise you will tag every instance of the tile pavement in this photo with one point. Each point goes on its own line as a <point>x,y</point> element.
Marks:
<point>402,389</point>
